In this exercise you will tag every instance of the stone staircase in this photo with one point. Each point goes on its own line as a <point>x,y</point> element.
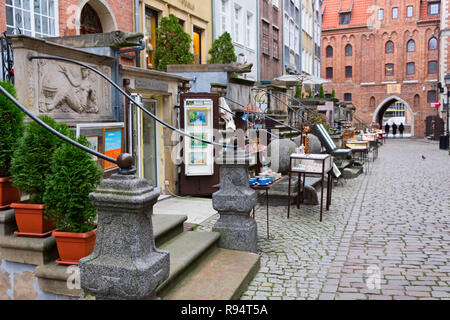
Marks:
<point>199,270</point>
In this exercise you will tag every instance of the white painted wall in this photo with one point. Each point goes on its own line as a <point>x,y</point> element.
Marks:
<point>240,19</point>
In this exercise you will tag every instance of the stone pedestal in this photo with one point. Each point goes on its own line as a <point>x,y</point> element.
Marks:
<point>125,263</point>
<point>7,222</point>
<point>234,202</point>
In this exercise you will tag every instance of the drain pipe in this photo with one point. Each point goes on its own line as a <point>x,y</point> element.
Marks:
<point>137,28</point>
<point>117,103</point>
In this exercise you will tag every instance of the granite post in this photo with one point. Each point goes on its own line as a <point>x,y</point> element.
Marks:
<point>234,202</point>
<point>125,263</point>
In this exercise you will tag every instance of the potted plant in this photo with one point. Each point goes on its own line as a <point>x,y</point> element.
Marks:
<point>74,176</point>
<point>30,165</point>
<point>11,128</point>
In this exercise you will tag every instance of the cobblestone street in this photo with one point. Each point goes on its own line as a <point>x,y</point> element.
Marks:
<point>386,236</point>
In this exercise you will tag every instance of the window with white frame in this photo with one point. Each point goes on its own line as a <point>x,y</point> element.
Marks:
<point>296,40</point>
<point>275,3</point>
<point>237,23</point>
<point>286,30</point>
<point>37,18</point>
<point>223,15</point>
<point>291,34</point>
<point>249,40</point>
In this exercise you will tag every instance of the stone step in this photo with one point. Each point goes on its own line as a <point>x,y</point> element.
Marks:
<point>223,275</point>
<point>352,173</point>
<point>186,250</point>
<point>167,226</point>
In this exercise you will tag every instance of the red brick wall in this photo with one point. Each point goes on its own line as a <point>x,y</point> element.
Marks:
<point>122,10</point>
<point>369,59</point>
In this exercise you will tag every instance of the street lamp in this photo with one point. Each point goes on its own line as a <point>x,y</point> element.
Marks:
<point>447,84</point>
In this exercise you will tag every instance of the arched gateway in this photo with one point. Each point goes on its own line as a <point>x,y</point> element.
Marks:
<point>395,109</point>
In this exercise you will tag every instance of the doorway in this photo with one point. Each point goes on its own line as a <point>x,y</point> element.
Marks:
<point>144,142</point>
<point>395,110</point>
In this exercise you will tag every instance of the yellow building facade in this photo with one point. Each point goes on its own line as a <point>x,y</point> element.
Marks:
<point>195,16</point>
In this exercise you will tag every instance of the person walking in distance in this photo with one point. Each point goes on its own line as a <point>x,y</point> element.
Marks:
<point>386,129</point>
<point>394,129</point>
<point>401,128</point>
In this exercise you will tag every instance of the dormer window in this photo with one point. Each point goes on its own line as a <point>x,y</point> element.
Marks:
<point>433,8</point>
<point>344,18</point>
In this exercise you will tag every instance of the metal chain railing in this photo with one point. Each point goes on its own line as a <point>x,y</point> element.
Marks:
<point>30,57</point>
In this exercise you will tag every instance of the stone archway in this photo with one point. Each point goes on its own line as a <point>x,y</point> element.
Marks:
<point>382,107</point>
<point>104,13</point>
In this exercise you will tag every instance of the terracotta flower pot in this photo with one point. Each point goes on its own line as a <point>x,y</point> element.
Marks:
<point>74,246</point>
<point>30,220</point>
<point>8,193</point>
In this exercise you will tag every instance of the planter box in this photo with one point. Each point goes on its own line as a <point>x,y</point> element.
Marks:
<point>8,193</point>
<point>74,246</point>
<point>30,220</point>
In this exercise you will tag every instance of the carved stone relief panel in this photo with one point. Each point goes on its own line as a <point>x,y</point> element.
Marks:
<point>72,93</point>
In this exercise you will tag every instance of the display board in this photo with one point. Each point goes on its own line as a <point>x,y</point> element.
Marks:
<point>199,116</point>
<point>198,122</point>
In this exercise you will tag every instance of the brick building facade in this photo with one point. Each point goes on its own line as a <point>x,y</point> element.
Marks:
<point>271,39</point>
<point>382,55</point>
<point>63,17</point>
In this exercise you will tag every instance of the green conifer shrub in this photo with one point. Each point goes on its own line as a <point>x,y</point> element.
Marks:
<point>172,44</point>
<point>298,92</point>
<point>11,128</point>
<point>74,176</point>
<point>30,163</point>
<point>222,50</point>
<point>321,92</point>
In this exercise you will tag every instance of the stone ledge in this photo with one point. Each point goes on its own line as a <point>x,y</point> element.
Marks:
<point>53,278</point>
<point>7,222</point>
<point>34,251</point>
